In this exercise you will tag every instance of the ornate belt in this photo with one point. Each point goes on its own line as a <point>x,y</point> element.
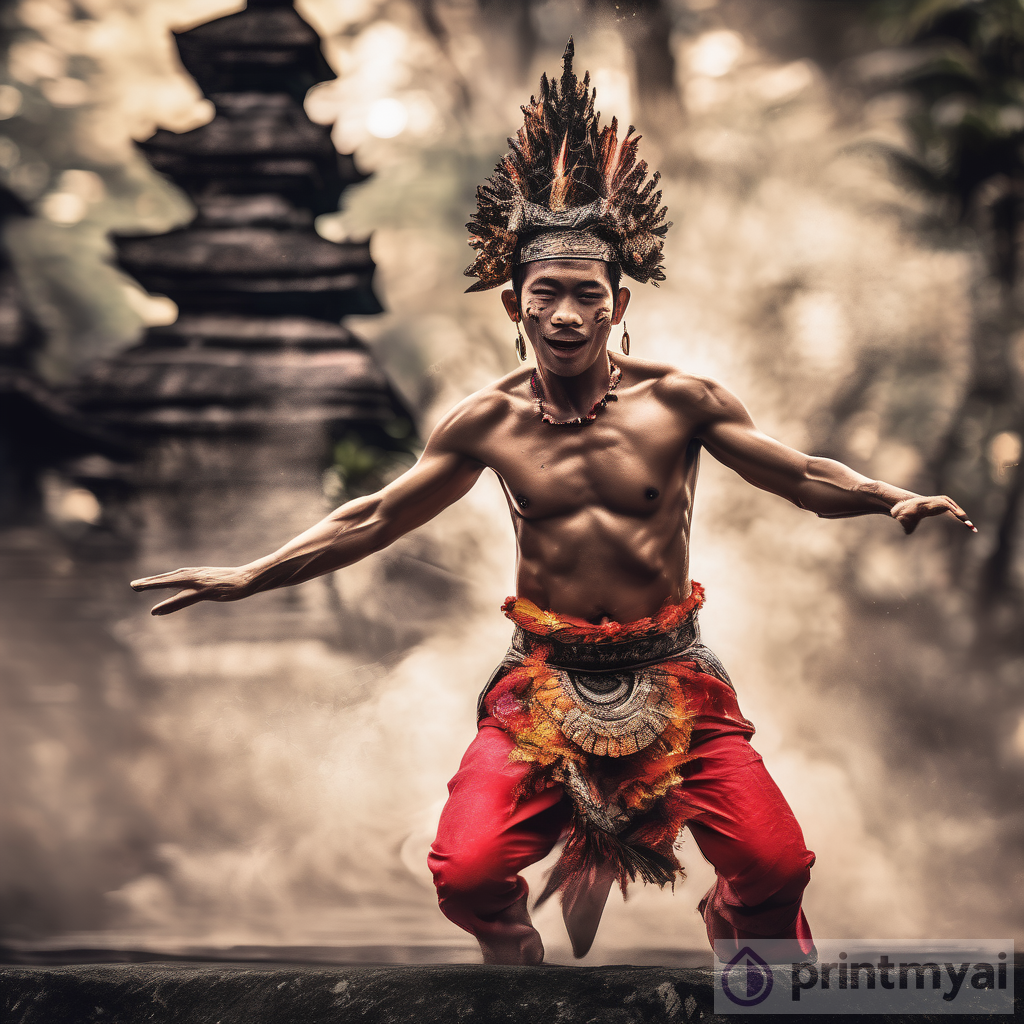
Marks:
<point>608,655</point>
<point>609,698</point>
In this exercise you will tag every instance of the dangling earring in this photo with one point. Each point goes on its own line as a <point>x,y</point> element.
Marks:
<point>520,344</point>
<point>624,344</point>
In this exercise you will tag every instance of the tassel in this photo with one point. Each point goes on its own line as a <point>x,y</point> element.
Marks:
<point>586,847</point>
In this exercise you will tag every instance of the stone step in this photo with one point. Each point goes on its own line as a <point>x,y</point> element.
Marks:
<point>190,993</point>
<point>276,994</point>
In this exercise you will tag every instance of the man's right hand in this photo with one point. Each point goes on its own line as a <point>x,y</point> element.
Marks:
<point>443,474</point>
<point>205,583</point>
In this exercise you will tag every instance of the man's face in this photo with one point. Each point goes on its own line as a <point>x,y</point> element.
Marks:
<point>568,309</point>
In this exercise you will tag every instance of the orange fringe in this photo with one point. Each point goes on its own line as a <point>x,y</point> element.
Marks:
<point>568,629</point>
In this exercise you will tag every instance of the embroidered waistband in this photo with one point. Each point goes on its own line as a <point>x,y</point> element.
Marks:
<point>569,642</point>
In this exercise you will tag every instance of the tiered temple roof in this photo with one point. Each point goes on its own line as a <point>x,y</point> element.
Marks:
<point>260,293</point>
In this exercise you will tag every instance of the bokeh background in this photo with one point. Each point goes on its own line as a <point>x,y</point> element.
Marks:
<point>846,182</point>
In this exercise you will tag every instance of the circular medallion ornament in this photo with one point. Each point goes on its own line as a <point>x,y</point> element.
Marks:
<point>612,714</point>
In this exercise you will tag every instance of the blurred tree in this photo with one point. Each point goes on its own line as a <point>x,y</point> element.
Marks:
<point>967,131</point>
<point>646,27</point>
<point>71,91</point>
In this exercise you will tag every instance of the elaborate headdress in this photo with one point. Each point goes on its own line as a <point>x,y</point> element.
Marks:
<point>568,189</point>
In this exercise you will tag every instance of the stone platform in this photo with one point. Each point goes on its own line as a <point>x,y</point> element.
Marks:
<point>196,993</point>
<point>247,994</point>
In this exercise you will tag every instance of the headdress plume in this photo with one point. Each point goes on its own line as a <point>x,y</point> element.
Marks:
<point>568,187</point>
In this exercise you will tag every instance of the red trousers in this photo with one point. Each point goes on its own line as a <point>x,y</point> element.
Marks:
<point>741,822</point>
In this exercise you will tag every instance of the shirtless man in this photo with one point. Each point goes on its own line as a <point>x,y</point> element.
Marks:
<point>598,458</point>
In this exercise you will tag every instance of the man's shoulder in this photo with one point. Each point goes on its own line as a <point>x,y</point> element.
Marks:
<point>486,407</point>
<point>498,397</point>
<point>676,387</point>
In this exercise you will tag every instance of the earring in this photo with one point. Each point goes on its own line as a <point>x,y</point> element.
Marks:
<point>624,344</point>
<point>520,344</point>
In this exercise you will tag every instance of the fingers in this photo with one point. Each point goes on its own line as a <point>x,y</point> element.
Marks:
<point>958,513</point>
<point>165,579</point>
<point>176,578</point>
<point>177,602</point>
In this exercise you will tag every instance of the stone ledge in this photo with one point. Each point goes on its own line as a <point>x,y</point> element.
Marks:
<point>188,993</point>
<point>247,994</point>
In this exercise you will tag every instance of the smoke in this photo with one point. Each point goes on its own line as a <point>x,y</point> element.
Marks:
<point>271,772</point>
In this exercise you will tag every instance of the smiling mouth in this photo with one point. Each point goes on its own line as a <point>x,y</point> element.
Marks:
<point>566,344</point>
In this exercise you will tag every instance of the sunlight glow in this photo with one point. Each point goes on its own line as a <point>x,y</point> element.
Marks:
<point>387,118</point>
<point>715,53</point>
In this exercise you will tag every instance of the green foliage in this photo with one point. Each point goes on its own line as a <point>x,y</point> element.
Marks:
<point>361,466</point>
<point>356,461</point>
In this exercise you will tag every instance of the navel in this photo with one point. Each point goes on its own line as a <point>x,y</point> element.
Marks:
<point>651,493</point>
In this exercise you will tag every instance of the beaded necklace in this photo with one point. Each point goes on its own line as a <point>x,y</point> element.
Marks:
<point>614,377</point>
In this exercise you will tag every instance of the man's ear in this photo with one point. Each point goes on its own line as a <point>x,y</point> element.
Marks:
<point>621,302</point>
<point>511,304</point>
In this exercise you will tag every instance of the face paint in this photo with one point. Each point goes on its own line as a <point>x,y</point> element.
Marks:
<point>568,308</point>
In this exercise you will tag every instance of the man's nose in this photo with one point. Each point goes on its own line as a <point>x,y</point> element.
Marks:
<point>567,314</point>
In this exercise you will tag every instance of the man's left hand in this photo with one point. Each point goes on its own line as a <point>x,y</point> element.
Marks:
<point>909,512</point>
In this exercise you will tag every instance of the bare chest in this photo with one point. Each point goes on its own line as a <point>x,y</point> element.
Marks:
<point>631,460</point>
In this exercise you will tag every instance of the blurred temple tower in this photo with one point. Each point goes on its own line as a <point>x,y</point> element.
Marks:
<point>236,405</point>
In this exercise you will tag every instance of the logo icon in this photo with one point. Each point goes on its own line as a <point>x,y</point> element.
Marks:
<point>746,979</point>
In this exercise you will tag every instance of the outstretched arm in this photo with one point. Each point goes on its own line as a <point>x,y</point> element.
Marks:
<point>828,488</point>
<point>442,475</point>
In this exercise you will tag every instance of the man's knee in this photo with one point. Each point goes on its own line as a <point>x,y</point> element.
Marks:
<point>793,871</point>
<point>469,874</point>
<point>781,877</point>
<point>454,874</point>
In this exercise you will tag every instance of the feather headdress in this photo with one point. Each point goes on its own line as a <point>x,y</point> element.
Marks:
<point>568,188</point>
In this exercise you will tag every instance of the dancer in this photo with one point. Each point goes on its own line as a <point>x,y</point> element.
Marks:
<point>608,725</point>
